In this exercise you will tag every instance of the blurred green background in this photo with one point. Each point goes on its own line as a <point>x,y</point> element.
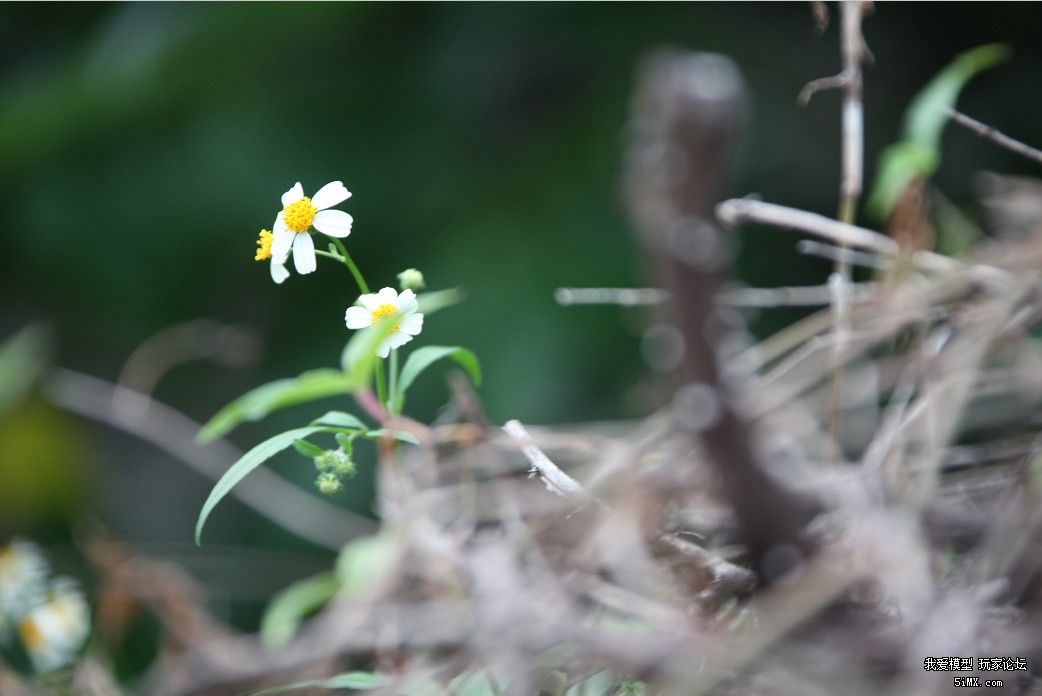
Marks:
<point>142,146</point>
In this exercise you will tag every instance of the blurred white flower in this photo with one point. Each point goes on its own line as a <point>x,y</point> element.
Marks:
<point>53,630</point>
<point>23,571</point>
<point>292,229</point>
<point>387,302</point>
<point>278,269</point>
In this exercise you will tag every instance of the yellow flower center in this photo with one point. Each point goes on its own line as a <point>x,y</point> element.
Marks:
<point>298,215</point>
<point>264,246</point>
<point>31,634</point>
<point>385,310</point>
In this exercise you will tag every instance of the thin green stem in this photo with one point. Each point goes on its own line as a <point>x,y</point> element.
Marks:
<point>392,371</point>
<point>381,389</point>
<point>335,257</point>
<point>345,258</point>
<point>351,266</point>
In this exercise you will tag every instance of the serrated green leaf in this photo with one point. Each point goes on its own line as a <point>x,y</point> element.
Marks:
<point>247,463</point>
<point>632,688</point>
<point>292,605</point>
<point>307,449</point>
<point>340,419</point>
<point>422,358</point>
<point>258,403</point>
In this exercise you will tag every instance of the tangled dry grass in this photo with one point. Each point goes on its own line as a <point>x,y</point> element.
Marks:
<point>815,513</point>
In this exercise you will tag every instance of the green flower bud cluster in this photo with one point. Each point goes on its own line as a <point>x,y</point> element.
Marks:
<point>337,462</point>
<point>329,483</point>
<point>334,466</point>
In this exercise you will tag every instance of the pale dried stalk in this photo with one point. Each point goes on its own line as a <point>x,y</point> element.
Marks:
<point>625,297</point>
<point>737,211</point>
<point>798,296</point>
<point>555,479</point>
<point>1001,139</point>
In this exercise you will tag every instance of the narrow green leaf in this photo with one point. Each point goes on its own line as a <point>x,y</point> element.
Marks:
<point>422,358</point>
<point>258,403</point>
<point>431,302</point>
<point>472,683</point>
<point>292,605</point>
<point>345,442</point>
<point>598,684</point>
<point>307,449</point>
<point>355,680</point>
<point>23,358</point>
<point>400,435</point>
<point>918,154</point>
<point>928,114</point>
<point>899,165</point>
<point>366,562</point>
<point>340,419</point>
<point>359,357</point>
<point>247,463</point>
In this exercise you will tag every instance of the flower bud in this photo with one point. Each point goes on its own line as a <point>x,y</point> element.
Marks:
<point>411,279</point>
<point>328,483</point>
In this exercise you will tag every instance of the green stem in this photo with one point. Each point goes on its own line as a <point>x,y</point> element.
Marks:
<point>345,258</point>
<point>351,266</point>
<point>393,373</point>
<point>381,390</point>
<point>350,263</point>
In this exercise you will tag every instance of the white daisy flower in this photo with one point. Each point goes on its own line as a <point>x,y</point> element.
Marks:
<point>23,570</point>
<point>54,630</point>
<point>387,302</point>
<point>292,228</point>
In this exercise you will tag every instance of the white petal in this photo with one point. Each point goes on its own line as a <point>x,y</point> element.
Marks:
<point>407,303</point>
<point>330,194</point>
<point>282,241</point>
<point>370,301</point>
<point>278,272</point>
<point>358,317</point>
<point>399,339</point>
<point>412,324</point>
<point>384,349</point>
<point>293,195</point>
<point>304,254</point>
<point>388,296</point>
<point>335,223</point>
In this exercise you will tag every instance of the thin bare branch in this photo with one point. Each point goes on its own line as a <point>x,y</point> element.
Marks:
<point>625,297</point>
<point>1001,139</point>
<point>819,12</point>
<point>555,479</point>
<point>799,296</point>
<point>737,211</point>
